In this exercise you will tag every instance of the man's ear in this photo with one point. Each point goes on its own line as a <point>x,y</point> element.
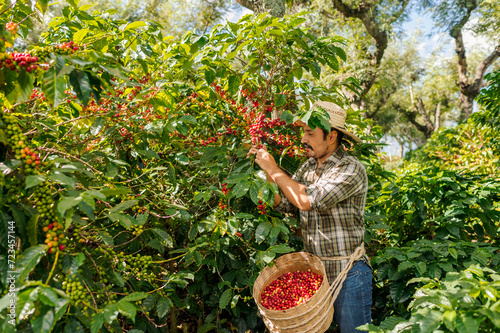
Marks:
<point>332,137</point>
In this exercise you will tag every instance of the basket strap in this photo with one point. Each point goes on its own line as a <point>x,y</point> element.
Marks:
<point>336,285</point>
<point>339,280</point>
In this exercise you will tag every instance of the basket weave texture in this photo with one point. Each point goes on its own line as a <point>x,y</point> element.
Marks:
<point>315,315</point>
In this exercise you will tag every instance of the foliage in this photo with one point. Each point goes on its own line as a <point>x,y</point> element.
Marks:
<point>465,301</point>
<point>472,146</point>
<point>432,259</point>
<point>432,218</point>
<point>126,190</point>
<point>428,203</point>
<point>127,198</point>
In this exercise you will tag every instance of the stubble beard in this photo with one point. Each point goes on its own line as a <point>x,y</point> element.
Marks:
<point>312,152</point>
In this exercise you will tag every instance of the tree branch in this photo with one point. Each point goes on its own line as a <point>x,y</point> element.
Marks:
<point>456,33</point>
<point>437,118</point>
<point>367,13</point>
<point>427,120</point>
<point>477,84</point>
<point>412,115</point>
<point>275,7</point>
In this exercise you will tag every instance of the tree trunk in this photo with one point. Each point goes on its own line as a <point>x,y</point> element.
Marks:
<point>366,12</point>
<point>274,7</point>
<point>427,128</point>
<point>469,90</point>
<point>437,117</point>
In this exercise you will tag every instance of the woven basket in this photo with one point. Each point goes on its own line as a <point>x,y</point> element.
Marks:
<point>315,315</point>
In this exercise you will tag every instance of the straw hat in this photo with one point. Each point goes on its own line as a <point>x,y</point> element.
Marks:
<point>337,117</point>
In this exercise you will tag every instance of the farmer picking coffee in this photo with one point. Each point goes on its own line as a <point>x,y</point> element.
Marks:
<point>329,191</point>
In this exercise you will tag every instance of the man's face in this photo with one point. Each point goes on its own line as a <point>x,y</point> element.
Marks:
<point>314,142</point>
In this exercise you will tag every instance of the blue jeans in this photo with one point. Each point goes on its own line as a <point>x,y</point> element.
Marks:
<point>353,306</point>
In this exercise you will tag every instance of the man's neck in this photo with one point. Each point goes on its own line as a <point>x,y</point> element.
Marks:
<point>330,151</point>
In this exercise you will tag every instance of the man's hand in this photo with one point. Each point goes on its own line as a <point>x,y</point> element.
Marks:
<point>265,160</point>
<point>294,191</point>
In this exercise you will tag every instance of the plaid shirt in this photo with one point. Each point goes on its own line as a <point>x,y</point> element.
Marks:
<point>337,192</point>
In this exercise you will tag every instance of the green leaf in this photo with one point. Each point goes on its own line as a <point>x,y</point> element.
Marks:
<point>209,76</point>
<point>405,265</point>
<point>53,82</point>
<point>149,302</point>
<point>240,189</point>
<point>233,84</point>
<point>3,137</point>
<point>281,248</point>
<point>5,301</point>
<point>62,179</point>
<point>33,229</point>
<point>262,231</point>
<point>125,220</point>
<point>266,256</point>
<point>127,309</point>
<point>488,224</point>
<point>42,5</point>
<point>225,298</point>
<point>72,263</point>
<point>47,296</point>
<point>117,278</point>
<point>25,86</point>
<point>134,297</point>
<point>34,180</point>
<point>123,206</point>
<point>97,126</point>
<point>135,25</point>
<point>44,322</point>
<point>399,292</point>
<point>28,260</point>
<point>430,320</point>
<point>467,323</point>
<point>280,100</point>
<point>67,203</point>
<point>254,193</point>
<point>162,306</point>
<point>96,323</point>
<point>237,178</point>
<point>165,238</point>
<point>73,326</point>
<point>298,72</point>
<point>79,36</point>
<point>206,328</point>
<point>106,238</point>
<point>453,252</point>
<point>114,191</point>
<point>148,153</point>
<point>81,85</point>
<point>421,267</point>
<point>449,318</point>
<point>287,117</point>
<point>110,312</point>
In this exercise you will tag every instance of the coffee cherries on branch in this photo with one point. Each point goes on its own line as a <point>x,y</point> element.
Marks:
<point>15,61</point>
<point>12,27</point>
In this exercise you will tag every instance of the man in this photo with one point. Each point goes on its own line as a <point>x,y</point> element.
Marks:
<point>329,190</point>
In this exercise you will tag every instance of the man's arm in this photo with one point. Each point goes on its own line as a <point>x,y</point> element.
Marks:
<point>294,191</point>
<point>277,197</point>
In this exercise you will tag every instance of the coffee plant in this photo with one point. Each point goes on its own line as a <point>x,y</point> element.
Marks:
<point>464,301</point>
<point>128,203</point>
<point>433,217</point>
<point>126,194</point>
